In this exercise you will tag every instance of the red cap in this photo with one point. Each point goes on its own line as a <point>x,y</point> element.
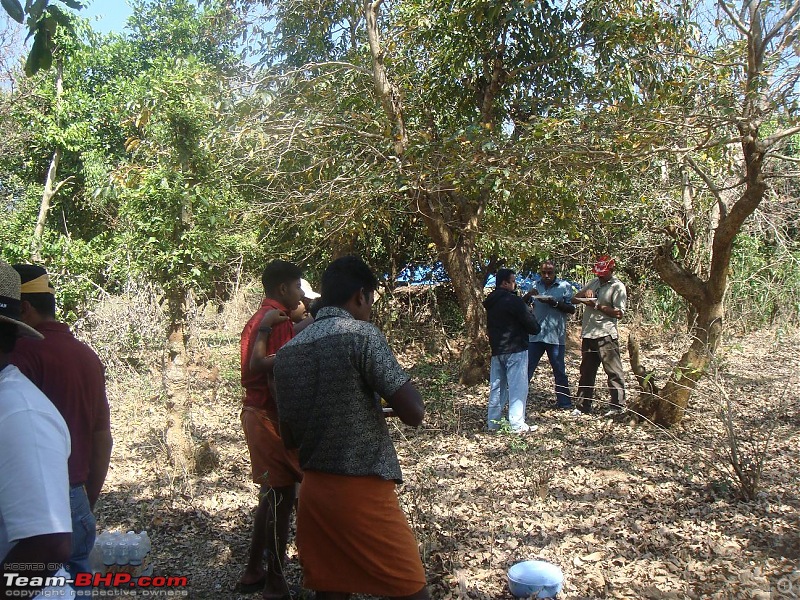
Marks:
<point>604,266</point>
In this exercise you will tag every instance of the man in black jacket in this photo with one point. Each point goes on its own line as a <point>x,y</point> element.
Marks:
<point>509,321</point>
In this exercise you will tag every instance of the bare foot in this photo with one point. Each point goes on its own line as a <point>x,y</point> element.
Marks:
<point>276,588</point>
<point>251,581</point>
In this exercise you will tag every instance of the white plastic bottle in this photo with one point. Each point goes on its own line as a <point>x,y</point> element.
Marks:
<point>123,556</point>
<point>147,564</point>
<point>96,554</point>
<point>135,557</point>
<point>109,555</point>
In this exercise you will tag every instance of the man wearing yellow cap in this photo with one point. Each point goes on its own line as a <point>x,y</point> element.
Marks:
<point>71,375</point>
<point>34,486</point>
<point>605,301</point>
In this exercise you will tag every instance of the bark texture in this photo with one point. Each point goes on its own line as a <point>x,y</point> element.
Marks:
<point>451,219</point>
<point>50,186</point>
<point>180,444</point>
<point>452,225</point>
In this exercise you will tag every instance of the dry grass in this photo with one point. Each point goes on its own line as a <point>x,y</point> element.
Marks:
<point>626,511</point>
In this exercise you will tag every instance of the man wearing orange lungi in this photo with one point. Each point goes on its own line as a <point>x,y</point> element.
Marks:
<point>274,467</point>
<point>352,536</point>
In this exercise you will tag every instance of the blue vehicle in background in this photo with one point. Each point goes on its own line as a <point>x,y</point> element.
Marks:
<point>422,275</point>
<point>435,274</point>
<point>526,281</point>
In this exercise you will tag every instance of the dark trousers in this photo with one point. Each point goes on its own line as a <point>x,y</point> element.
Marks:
<point>595,352</point>
<point>555,354</point>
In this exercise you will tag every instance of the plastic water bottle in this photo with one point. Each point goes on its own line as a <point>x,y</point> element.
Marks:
<point>147,566</point>
<point>136,557</point>
<point>145,541</point>
<point>123,555</point>
<point>96,554</point>
<point>108,553</point>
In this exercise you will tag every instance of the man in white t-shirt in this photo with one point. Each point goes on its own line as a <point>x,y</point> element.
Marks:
<point>35,521</point>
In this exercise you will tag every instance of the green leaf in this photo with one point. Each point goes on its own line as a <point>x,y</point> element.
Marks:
<point>36,10</point>
<point>49,25</point>
<point>72,4</point>
<point>41,55</point>
<point>14,10</point>
<point>59,15</point>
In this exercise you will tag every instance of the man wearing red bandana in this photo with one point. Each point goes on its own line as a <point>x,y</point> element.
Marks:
<point>605,301</point>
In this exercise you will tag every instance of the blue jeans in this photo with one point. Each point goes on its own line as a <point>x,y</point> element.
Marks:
<point>555,354</point>
<point>83,531</point>
<point>509,385</point>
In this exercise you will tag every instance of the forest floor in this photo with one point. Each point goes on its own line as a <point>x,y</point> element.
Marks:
<point>626,511</point>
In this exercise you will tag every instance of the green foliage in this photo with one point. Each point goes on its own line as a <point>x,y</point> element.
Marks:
<point>144,137</point>
<point>534,129</point>
<point>74,267</point>
<point>43,20</point>
<point>449,54</point>
<point>661,305</point>
<point>177,208</point>
<point>178,29</point>
<point>326,29</point>
<point>765,279</point>
<point>517,442</point>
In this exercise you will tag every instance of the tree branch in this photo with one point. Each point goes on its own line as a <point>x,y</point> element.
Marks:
<point>723,209</point>
<point>61,184</point>
<point>387,93</point>
<point>793,159</point>
<point>686,284</point>
<point>361,132</point>
<point>739,25</point>
<point>779,135</point>
<point>787,16</point>
<point>788,39</point>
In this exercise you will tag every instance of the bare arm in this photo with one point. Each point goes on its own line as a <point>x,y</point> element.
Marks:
<point>565,306</point>
<point>609,311</point>
<point>298,327</point>
<point>260,362</point>
<point>46,550</point>
<point>98,464</point>
<point>619,301</point>
<point>407,404</point>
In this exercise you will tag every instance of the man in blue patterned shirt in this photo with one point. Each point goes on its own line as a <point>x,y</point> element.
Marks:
<point>352,535</point>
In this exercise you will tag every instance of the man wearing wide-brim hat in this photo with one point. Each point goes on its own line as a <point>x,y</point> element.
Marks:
<point>35,521</point>
<point>605,300</point>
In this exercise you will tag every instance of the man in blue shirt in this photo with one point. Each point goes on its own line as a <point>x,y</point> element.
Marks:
<point>552,302</point>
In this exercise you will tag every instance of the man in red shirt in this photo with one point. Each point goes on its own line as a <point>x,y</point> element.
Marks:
<point>71,375</point>
<point>274,468</point>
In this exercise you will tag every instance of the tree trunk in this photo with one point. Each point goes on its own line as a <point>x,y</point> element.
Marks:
<point>452,224</point>
<point>178,438</point>
<point>44,207</point>
<point>50,187</point>
<point>667,407</point>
